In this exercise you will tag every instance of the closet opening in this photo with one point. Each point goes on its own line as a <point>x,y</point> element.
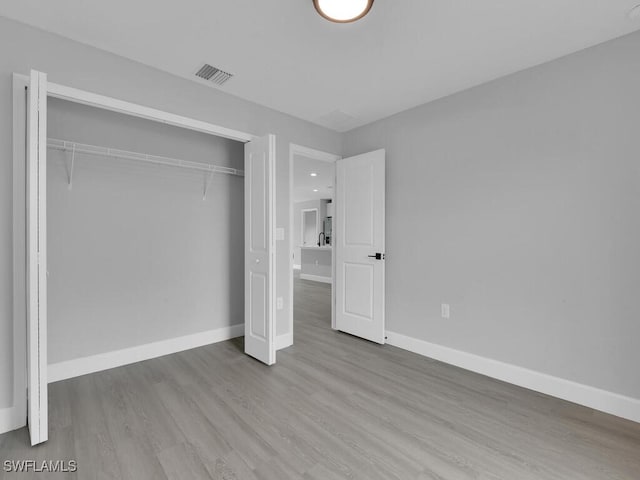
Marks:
<point>145,235</point>
<point>141,233</point>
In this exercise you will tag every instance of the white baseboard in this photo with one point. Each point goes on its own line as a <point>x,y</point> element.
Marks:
<point>10,419</point>
<point>103,361</point>
<point>297,267</point>
<point>284,341</point>
<point>315,278</point>
<point>602,400</point>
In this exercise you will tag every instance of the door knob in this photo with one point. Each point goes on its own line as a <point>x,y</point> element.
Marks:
<point>257,260</point>
<point>377,256</point>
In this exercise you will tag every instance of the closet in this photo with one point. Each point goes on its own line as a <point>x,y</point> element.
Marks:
<point>141,232</point>
<point>145,232</point>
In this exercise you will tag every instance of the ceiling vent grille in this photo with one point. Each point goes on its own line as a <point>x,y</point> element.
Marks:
<point>213,74</point>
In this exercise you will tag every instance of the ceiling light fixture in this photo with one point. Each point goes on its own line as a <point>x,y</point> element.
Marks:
<point>313,174</point>
<point>343,11</point>
<point>315,189</point>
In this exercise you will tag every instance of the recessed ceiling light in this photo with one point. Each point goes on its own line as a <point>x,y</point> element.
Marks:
<point>634,13</point>
<point>313,174</point>
<point>343,11</point>
<point>315,189</point>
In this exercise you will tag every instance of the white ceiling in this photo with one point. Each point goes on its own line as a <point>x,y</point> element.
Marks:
<point>285,56</point>
<point>304,183</point>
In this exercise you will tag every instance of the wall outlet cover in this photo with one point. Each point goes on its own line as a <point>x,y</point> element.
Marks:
<point>279,233</point>
<point>279,303</point>
<point>445,311</point>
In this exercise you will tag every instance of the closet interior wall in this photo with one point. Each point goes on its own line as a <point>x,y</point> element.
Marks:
<point>136,255</point>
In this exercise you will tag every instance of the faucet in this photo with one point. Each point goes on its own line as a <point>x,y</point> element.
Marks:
<point>325,238</point>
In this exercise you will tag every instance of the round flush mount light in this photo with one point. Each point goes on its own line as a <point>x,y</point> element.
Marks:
<point>315,189</point>
<point>343,11</point>
<point>313,174</point>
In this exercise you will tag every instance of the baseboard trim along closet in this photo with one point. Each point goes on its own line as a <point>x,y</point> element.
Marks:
<point>9,419</point>
<point>284,341</point>
<point>104,361</point>
<point>602,400</point>
<point>315,278</point>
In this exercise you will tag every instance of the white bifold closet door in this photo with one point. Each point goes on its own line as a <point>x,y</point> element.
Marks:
<point>37,408</point>
<point>259,258</point>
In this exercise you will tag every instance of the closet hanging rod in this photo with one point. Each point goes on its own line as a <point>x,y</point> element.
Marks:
<point>84,148</point>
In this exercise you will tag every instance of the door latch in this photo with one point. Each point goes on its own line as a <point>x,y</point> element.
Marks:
<point>377,256</point>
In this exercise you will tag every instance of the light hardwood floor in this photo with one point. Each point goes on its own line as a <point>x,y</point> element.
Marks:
<point>334,407</point>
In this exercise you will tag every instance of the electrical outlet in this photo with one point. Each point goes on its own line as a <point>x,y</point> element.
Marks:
<point>445,310</point>
<point>279,303</point>
<point>279,234</point>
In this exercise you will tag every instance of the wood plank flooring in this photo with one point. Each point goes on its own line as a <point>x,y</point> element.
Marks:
<point>333,407</point>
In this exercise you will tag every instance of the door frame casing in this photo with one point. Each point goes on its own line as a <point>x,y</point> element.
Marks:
<point>18,415</point>
<point>19,308</point>
<point>295,149</point>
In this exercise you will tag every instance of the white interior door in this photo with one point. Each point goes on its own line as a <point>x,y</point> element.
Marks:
<point>360,245</point>
<point>37,408</point>
<point>259,203</point>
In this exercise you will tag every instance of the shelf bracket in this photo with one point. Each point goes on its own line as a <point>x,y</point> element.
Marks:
<point>207,182</point>
<point>71,167</point>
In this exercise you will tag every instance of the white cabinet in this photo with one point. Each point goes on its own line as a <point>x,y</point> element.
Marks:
<point>330,209</point>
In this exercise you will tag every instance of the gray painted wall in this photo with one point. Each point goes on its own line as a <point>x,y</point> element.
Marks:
<point>518,203</point>
<point>70,63</point>
<point>316,261</point>
<point>135,254</point>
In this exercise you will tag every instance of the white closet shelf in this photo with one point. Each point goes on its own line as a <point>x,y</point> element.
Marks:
<point>86,149</point>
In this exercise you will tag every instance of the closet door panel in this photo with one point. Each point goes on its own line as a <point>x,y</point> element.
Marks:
<point>260,249</point>
<point>37,397</point>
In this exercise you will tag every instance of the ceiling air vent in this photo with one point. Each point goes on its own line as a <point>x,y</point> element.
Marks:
<point>213,74</point>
